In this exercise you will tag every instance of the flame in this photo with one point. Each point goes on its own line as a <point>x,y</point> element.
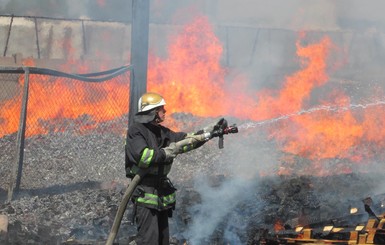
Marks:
<point>278,226</point>
<point>52,99</point>
<point>297,87</point>
<point>66,92</point>
<point>314,136</point>
<point>9,123</point>
<point>192,80</point>
<point>324,135</point>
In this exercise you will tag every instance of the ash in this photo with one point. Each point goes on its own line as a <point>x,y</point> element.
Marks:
<point>219,199</point>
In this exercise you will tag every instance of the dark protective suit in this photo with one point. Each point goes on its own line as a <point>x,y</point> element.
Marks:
<point>154,198</point>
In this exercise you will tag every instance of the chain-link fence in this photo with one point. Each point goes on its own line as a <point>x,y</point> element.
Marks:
<point>61,130</point>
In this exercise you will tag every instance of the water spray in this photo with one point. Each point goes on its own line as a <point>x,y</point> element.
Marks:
<point>311,110</point>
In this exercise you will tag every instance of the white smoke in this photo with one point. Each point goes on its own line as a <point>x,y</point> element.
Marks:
<point>3,3</point>
<point>78,9</point>
<point>216,206</point>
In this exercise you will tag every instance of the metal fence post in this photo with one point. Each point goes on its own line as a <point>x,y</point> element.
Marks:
<point>18,164</point>
<point>139,53</point>
<point>8,35</point>
<point>37,38</point>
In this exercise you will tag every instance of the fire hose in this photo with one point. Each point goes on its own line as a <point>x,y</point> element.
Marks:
<point>123,205</point>
<point>219,132</point>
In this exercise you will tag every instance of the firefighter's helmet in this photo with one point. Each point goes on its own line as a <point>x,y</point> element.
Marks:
<point>147,103</point>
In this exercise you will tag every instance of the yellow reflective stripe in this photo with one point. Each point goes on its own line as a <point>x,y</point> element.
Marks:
<point>169,199</point>
<point>149,199</point>
<point>155,200</point>
<point>146,158</point>
<point>188,147</point>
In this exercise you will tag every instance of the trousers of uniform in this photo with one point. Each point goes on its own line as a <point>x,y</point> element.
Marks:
<point>152,226</point>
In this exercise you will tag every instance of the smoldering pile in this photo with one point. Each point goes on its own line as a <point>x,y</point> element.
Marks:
<point>85,215</point>
<point>216,204</point>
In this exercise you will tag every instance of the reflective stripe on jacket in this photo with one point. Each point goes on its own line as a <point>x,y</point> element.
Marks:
<point>143,150</point>
<point>155,193</point>
<point>155,200</point>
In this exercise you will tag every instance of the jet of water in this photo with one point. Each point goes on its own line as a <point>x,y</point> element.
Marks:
<point>311,110</point>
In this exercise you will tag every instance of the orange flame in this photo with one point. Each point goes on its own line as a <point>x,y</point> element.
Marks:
<point>192,80</point>
<point>278,226</point>
<point>52,98</point>
<point>297,88</point>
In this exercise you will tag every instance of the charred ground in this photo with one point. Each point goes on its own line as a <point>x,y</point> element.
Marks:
<point>78,207</point>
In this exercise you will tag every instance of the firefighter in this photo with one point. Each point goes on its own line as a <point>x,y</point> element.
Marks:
<point>153,147</point>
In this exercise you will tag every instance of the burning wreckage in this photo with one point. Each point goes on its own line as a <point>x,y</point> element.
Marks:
<point>350,229</point>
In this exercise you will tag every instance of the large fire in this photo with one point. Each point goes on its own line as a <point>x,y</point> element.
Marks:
<point>52,99</point>
<point>193,81</point>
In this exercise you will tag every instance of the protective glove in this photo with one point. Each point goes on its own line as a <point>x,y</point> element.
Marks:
<point>171,151</point>
<point>195,138</point>
<point>191,142</point>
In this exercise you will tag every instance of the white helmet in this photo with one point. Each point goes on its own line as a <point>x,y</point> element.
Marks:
<point>149,101</point>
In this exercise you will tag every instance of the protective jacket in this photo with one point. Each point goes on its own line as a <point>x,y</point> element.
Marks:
<point>143,150</point>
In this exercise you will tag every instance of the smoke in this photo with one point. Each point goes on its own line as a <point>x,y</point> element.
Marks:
<point>3,3</point>
<point>78,8</point>
<point>217,206</point>
<point>225,205</point>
